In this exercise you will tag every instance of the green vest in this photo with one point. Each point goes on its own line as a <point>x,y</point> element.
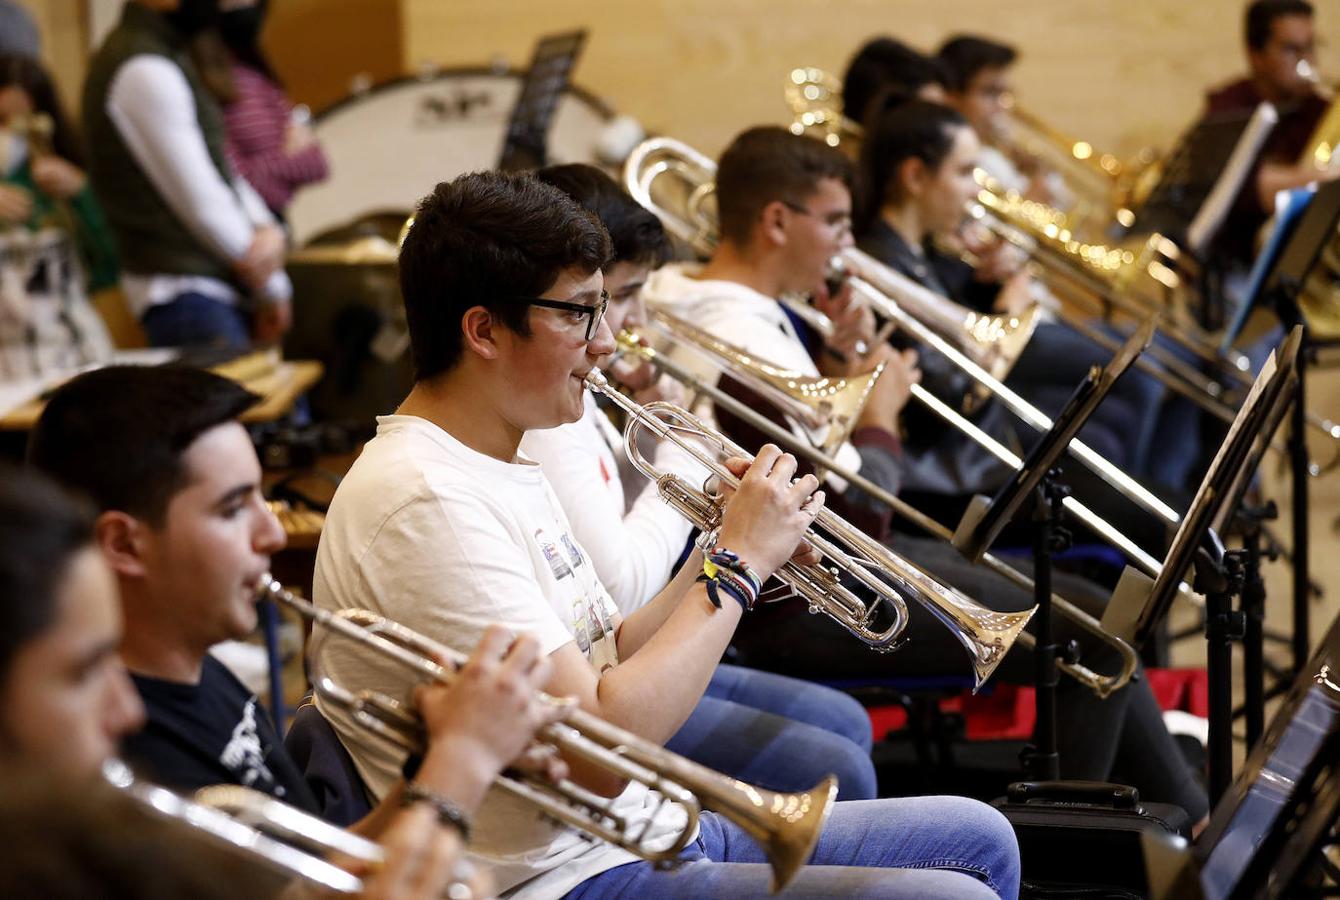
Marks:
<point>150,238</point>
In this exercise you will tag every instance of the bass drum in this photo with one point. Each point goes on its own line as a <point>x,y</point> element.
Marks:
<point>389,145</point>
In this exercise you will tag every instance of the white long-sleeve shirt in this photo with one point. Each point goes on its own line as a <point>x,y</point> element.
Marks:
<point>633,546</point>
<point>150,104</point>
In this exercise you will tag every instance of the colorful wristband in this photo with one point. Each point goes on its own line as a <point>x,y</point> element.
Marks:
<point>725,571</point>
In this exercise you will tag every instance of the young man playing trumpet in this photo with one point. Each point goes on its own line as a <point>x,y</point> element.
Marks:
<point>69,705</point>
<point>441,525</point>
<point>183,529</point>
<point>785,207</point>
<point>766,729</point>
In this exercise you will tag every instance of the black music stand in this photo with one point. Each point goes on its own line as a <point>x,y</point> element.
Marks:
<point>1279,812</point>
<point>551,65</point>
<point>1039,479</point>
<point>1203,176</point>
<point>1140,603</point>
<point>1315,230</point>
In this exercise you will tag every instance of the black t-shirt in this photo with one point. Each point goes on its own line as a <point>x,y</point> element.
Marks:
<point>214,732</point>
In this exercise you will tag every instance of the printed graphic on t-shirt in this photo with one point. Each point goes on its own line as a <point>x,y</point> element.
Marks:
<point>594,633</point>
<point>245,756</point>
<point>574,555</point>
<point>557,564</point>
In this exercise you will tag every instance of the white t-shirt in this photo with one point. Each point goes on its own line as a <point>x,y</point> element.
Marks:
<point>447,541</point>
<point>634,546</point>
<point>741,316</point>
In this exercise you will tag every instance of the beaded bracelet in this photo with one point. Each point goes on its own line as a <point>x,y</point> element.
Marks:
<point>448,813</point>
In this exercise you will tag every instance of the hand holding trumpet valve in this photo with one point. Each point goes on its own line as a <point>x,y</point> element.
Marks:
<point>485,719</point>
<point>767,515</point>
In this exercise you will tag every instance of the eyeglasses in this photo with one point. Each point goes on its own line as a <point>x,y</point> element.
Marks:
<point>838,221</point>
<point>593,313</point>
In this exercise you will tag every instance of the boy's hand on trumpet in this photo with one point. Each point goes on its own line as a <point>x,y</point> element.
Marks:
<point>767,516</point>
<point>486,719</point>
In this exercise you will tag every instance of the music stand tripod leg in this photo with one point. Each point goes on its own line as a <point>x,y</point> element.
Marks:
<point>1220,581</point>
<point>1050,536</point>
<point>1253,605</point>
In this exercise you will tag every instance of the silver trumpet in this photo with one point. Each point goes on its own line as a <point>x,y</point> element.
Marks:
<point>1101,684</point>
<point>258,828</point>
<point>786,825</point>
<point>986,635</point>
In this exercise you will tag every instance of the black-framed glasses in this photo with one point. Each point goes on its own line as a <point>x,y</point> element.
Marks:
<point>593,313</point>
<point>838,221</point>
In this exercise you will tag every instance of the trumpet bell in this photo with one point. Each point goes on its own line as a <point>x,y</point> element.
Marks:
<point>1005,336</point>
<point>827,407</point>
<point>803,816</point>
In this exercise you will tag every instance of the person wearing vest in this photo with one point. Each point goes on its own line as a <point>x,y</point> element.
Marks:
<point>202,257</point>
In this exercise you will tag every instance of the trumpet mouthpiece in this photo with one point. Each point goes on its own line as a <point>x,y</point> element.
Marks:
<point>595,379</point>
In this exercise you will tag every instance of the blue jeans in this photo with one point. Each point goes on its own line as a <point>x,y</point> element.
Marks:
<point>196,320</point>
<point>921,847</point>
<point>779,733</point>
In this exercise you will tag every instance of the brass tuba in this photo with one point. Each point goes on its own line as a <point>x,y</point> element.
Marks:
<point>786,826</point>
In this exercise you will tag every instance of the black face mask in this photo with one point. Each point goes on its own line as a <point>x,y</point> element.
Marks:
<point>242,27</point>
<point>194,16</point>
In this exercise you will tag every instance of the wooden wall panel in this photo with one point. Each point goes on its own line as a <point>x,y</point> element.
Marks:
<point>64,37</point>
<point>319,46</point>
<point>1120,74</point>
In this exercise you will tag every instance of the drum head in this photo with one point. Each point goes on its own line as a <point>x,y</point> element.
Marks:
<point>389,146</point>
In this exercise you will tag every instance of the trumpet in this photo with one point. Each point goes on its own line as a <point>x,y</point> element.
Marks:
<point>986,635</point>
<point>786,825</point>
<point>1102,685</point>
<point>260,828</point>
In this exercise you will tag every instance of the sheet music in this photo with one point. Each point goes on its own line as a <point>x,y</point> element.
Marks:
<point>1215,209</point>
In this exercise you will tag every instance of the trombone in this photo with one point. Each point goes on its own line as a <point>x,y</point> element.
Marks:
<point>986,635</point>
<point>1106,273</point>
<point>786,826</point>
<point>1102,685</point>
<point>1046,234</point>
<point>891,295</point>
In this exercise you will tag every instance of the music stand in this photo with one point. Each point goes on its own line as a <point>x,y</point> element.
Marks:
<point>1315,230</point>
<point>551,65</point>
<point>1280,809</point>
<point>1203,177</point>
<point>1286,223</point>
<point>1140,603</point>
<point>985,518</point>
<point>1038,478</point>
